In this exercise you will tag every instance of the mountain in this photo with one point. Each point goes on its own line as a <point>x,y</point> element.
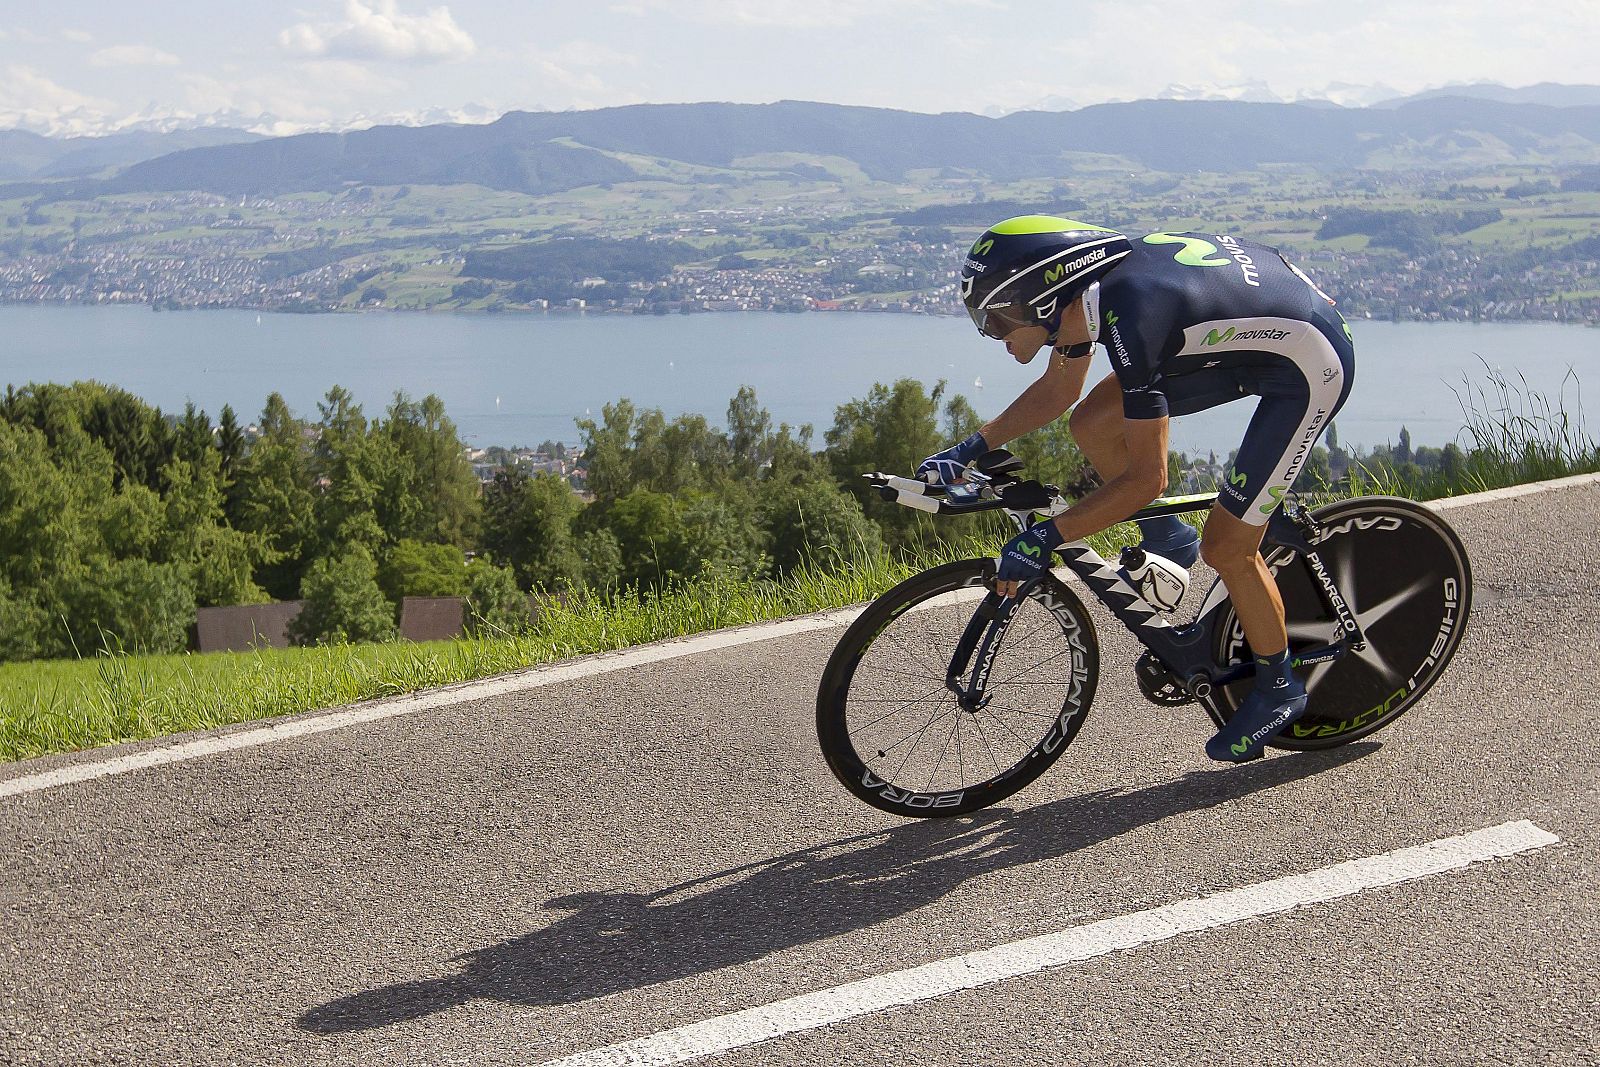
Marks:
<point>1551,94</point>
<point>25,155</point>
<point>552,151</point>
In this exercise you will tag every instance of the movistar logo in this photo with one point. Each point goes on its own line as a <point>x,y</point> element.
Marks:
<point>1111,318</point>
<point>1031,551</point>
<point>1056,273</point>
<point>982,247</point>
<point>1277,492</point>
<point>1194,253</point>
<point>1241,748</point>
<point>1237,478</point>
<point>1215,338</point>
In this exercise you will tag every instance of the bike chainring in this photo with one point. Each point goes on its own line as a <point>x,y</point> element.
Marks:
<point>1158,684</point>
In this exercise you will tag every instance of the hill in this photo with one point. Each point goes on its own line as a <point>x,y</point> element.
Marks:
<point>538,153</point>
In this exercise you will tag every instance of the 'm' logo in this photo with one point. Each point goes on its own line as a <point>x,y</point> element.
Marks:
<point>1056,273</point>
<point>1031,551</point>
<point>1241,748</point>
<point>1237,478</point>
<point>982,247</point>
<point>1277,492</point>
<point>1111,318</point>
<point>1194,253</point>
<point>1215,338</point>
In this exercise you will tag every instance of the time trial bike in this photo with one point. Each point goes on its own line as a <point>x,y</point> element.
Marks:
<point>942,697</point>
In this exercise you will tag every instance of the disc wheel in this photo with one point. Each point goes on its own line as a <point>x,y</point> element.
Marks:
<point>1406,577</point>
<point>899,739</point>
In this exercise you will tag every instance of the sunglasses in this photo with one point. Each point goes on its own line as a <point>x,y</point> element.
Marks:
<point>995,323</point>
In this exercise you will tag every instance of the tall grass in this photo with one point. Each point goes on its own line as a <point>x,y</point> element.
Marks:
<point>1514,435</point>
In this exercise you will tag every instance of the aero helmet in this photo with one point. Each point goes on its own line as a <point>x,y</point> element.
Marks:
<point>1026,270</point>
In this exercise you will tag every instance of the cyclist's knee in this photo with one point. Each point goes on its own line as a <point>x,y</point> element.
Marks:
<point>1229,547</point>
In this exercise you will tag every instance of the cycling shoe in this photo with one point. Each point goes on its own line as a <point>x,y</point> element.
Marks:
<point>1182,546</point>
<point>1264,714</point>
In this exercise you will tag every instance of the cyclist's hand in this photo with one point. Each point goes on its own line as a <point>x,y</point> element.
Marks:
<point>1026,556</point>
<point>949,466</point>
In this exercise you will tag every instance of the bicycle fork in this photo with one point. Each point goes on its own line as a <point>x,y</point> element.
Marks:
<point>980,640</point>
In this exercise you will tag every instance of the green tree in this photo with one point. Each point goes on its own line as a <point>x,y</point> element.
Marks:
<point>891,429</point>
<point>434,473</point>
<point>812,519</point>
<point>413,568</point>
<point>528,526</point>
<point>272,497</point>
<point>342,601</point>
<point>495,604</point>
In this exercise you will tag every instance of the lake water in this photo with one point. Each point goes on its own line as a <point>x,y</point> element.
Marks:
<point>522,379</point>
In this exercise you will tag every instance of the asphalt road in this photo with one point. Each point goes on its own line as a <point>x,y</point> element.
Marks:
<point>526,877</point>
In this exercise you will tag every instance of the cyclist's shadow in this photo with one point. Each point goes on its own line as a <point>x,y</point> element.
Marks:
<point>611,942</point>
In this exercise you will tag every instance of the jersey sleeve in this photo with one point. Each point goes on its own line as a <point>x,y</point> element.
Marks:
<point>1134,343</point>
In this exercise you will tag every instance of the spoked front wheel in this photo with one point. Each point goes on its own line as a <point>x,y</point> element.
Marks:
<point>899,738</point>
<point>1405,575</point>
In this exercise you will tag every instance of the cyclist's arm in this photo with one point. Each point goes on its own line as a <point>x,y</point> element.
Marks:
<point>1046,400</point>
<point>1144,479</point>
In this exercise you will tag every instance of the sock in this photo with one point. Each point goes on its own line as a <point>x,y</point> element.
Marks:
<point>1274,672</point>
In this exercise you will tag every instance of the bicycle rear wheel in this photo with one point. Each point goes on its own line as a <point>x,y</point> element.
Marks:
<point>895,735</point>
<point>1406,576</point>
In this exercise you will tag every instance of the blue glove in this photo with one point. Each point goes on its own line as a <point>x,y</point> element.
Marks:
<point>1027,555</point>
<point>947,467</point>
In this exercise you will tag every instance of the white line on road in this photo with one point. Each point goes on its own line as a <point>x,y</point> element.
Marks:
<point>898,988</point>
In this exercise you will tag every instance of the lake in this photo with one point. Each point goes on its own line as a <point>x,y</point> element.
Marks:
<point>522,379</point>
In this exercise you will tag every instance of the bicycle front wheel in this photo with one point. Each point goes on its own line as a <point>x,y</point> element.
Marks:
<point>896,736</point>
<point>1405,575</point>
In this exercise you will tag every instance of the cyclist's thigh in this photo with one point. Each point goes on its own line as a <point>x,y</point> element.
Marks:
<point>1189,393</point>
<point>1300,394</point>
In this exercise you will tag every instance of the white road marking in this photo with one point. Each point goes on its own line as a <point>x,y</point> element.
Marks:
<point>375,711</point>
<point>899,988</point>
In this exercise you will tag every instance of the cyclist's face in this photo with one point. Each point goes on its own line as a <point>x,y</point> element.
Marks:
<point>1024,342</point>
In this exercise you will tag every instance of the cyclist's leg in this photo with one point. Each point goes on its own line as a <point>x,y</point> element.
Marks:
<point>1300,391</point>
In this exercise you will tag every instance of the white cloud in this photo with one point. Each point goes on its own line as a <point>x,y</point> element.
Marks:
<point>781,14</point>
<point>31,101</point>
<point>132,55</point>
<point>78,36</point>
<point>378,30</point>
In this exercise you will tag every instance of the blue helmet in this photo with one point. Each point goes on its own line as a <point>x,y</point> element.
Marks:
<point>1026,270</point>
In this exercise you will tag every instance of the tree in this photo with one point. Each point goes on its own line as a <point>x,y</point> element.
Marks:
<point>273,498</point>
<point>1402,452</point>
<point>343,602</point>
<point>811,519</point>
<point>434,473</point>
<point>892,429</point>
<point>495,605</point>
<point>749,433</point>
<point>412,568</point>
<point>528,526</point>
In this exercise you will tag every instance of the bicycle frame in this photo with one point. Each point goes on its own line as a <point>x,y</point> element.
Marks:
<point>1183,650</point>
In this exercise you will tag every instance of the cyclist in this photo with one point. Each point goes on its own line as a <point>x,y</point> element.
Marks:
<point>1190,321</point>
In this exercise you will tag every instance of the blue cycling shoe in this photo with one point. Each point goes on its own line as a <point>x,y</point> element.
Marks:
<point>1175,540</point>
<point>1265,713</point>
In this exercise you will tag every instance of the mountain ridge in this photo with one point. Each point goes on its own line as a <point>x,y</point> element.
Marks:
<point>545,152</point>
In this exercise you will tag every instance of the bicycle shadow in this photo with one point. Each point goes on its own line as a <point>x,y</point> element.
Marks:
<point>613,942</point>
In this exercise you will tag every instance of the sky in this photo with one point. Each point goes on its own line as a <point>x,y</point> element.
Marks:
<point>94,66</point>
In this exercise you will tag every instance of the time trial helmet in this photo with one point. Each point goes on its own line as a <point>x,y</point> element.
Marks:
<point>1026,270</point>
